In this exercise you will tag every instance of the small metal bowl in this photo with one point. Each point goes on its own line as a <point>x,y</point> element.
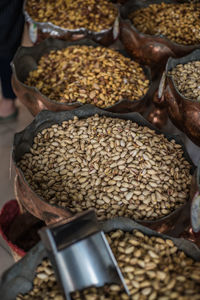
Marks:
<point>183,112</point>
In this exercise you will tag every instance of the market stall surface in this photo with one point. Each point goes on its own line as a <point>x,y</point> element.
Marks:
<point>7,173</point>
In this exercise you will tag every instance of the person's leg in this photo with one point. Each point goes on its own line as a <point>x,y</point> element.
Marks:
<point>7,103</point>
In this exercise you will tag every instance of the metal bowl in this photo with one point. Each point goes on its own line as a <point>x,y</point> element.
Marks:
<point>19,278</point>
<point>26,60</point>
<point>52,213</point>
<point>150,50</point>
<point>183,112</point>
<point>192,232</point>
<point>39,31</point>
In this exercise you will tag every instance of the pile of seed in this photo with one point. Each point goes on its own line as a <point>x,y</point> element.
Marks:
<point>94,15</point>
<point>178,22</point>
<point>187,79</point>
<point>86,74</point>
<point>112,165</point>
<point>153,268</point>
<point>45,286</point>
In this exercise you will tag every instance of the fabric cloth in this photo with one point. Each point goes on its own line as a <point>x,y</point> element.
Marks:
<point>11,26</point>
<point>5,75</point>
<point>11,30</point>
<point>8,213</point>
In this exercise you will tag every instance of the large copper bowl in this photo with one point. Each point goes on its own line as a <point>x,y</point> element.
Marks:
<point>18,279</point>
<point>153,51</point>
<point>39,31</point>
<point>183,112</point>
<point>26,60</point>
<point>52,213</point>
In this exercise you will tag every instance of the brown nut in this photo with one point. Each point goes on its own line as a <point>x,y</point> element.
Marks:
<point>89,14</point>
<point>178,22</point>
<point>153,268</point>
<point>87,74</point>
<point>112,165</point>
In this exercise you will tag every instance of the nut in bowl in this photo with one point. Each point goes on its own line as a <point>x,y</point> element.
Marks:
<point>150,265</point>
<point>182,93</point>
<point>154,266</point>
<point>62,75</point>
<point>73,20</point>
<point>115,164</point>
<point>149,30</point>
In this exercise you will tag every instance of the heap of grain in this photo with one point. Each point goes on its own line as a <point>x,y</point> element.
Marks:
<point>93,15</point>
<point>86,74</point>
<point>153,268</point>
<point>178,22</point>
<point>187,79</point>
<point>113,165</point>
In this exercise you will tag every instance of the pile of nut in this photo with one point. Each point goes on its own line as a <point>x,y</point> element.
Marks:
<point>153,268</point>
<point>112,165</point>
<point>178,22</point>
<point>94,15</point>
<point>187,79</point>
<point>45,286</point>
<point>86,74</point>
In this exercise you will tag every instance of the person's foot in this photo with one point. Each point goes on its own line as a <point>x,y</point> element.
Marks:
<point>7,107</point>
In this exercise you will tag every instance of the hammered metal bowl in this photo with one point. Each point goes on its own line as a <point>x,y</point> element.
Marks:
<point>39,31</point>
<point>150,50</point>
<point>18,279</point>
<point>183,112</point>
<point>26,60</point>
<point>52,213</point>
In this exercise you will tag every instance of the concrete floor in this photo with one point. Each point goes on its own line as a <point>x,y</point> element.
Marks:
<point>7,173</point>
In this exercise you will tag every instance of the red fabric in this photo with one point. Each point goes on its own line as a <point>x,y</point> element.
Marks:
<point>7,215</point>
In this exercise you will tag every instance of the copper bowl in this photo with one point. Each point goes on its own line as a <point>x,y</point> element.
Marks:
<point>192,231</point>
<point>52,213</point>
<point>195,206</point>
<point>182,225</point>
<point>19,278</point>
<point>39,31</point>
<point>183,112</point>
<point>26,60</point>
<point>150,50</point>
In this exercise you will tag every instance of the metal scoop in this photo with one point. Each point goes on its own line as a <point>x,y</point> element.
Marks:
<point>80,254</point>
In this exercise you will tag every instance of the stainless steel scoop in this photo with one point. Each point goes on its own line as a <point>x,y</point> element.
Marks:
<point>80,254</point>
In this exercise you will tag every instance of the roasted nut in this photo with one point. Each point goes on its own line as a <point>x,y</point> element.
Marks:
<point>178,22</point>
<point>83,164</point>
<point>86,74</point>
<point>172,275</point>
<point>93,15</point>
<point>187,79</point>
